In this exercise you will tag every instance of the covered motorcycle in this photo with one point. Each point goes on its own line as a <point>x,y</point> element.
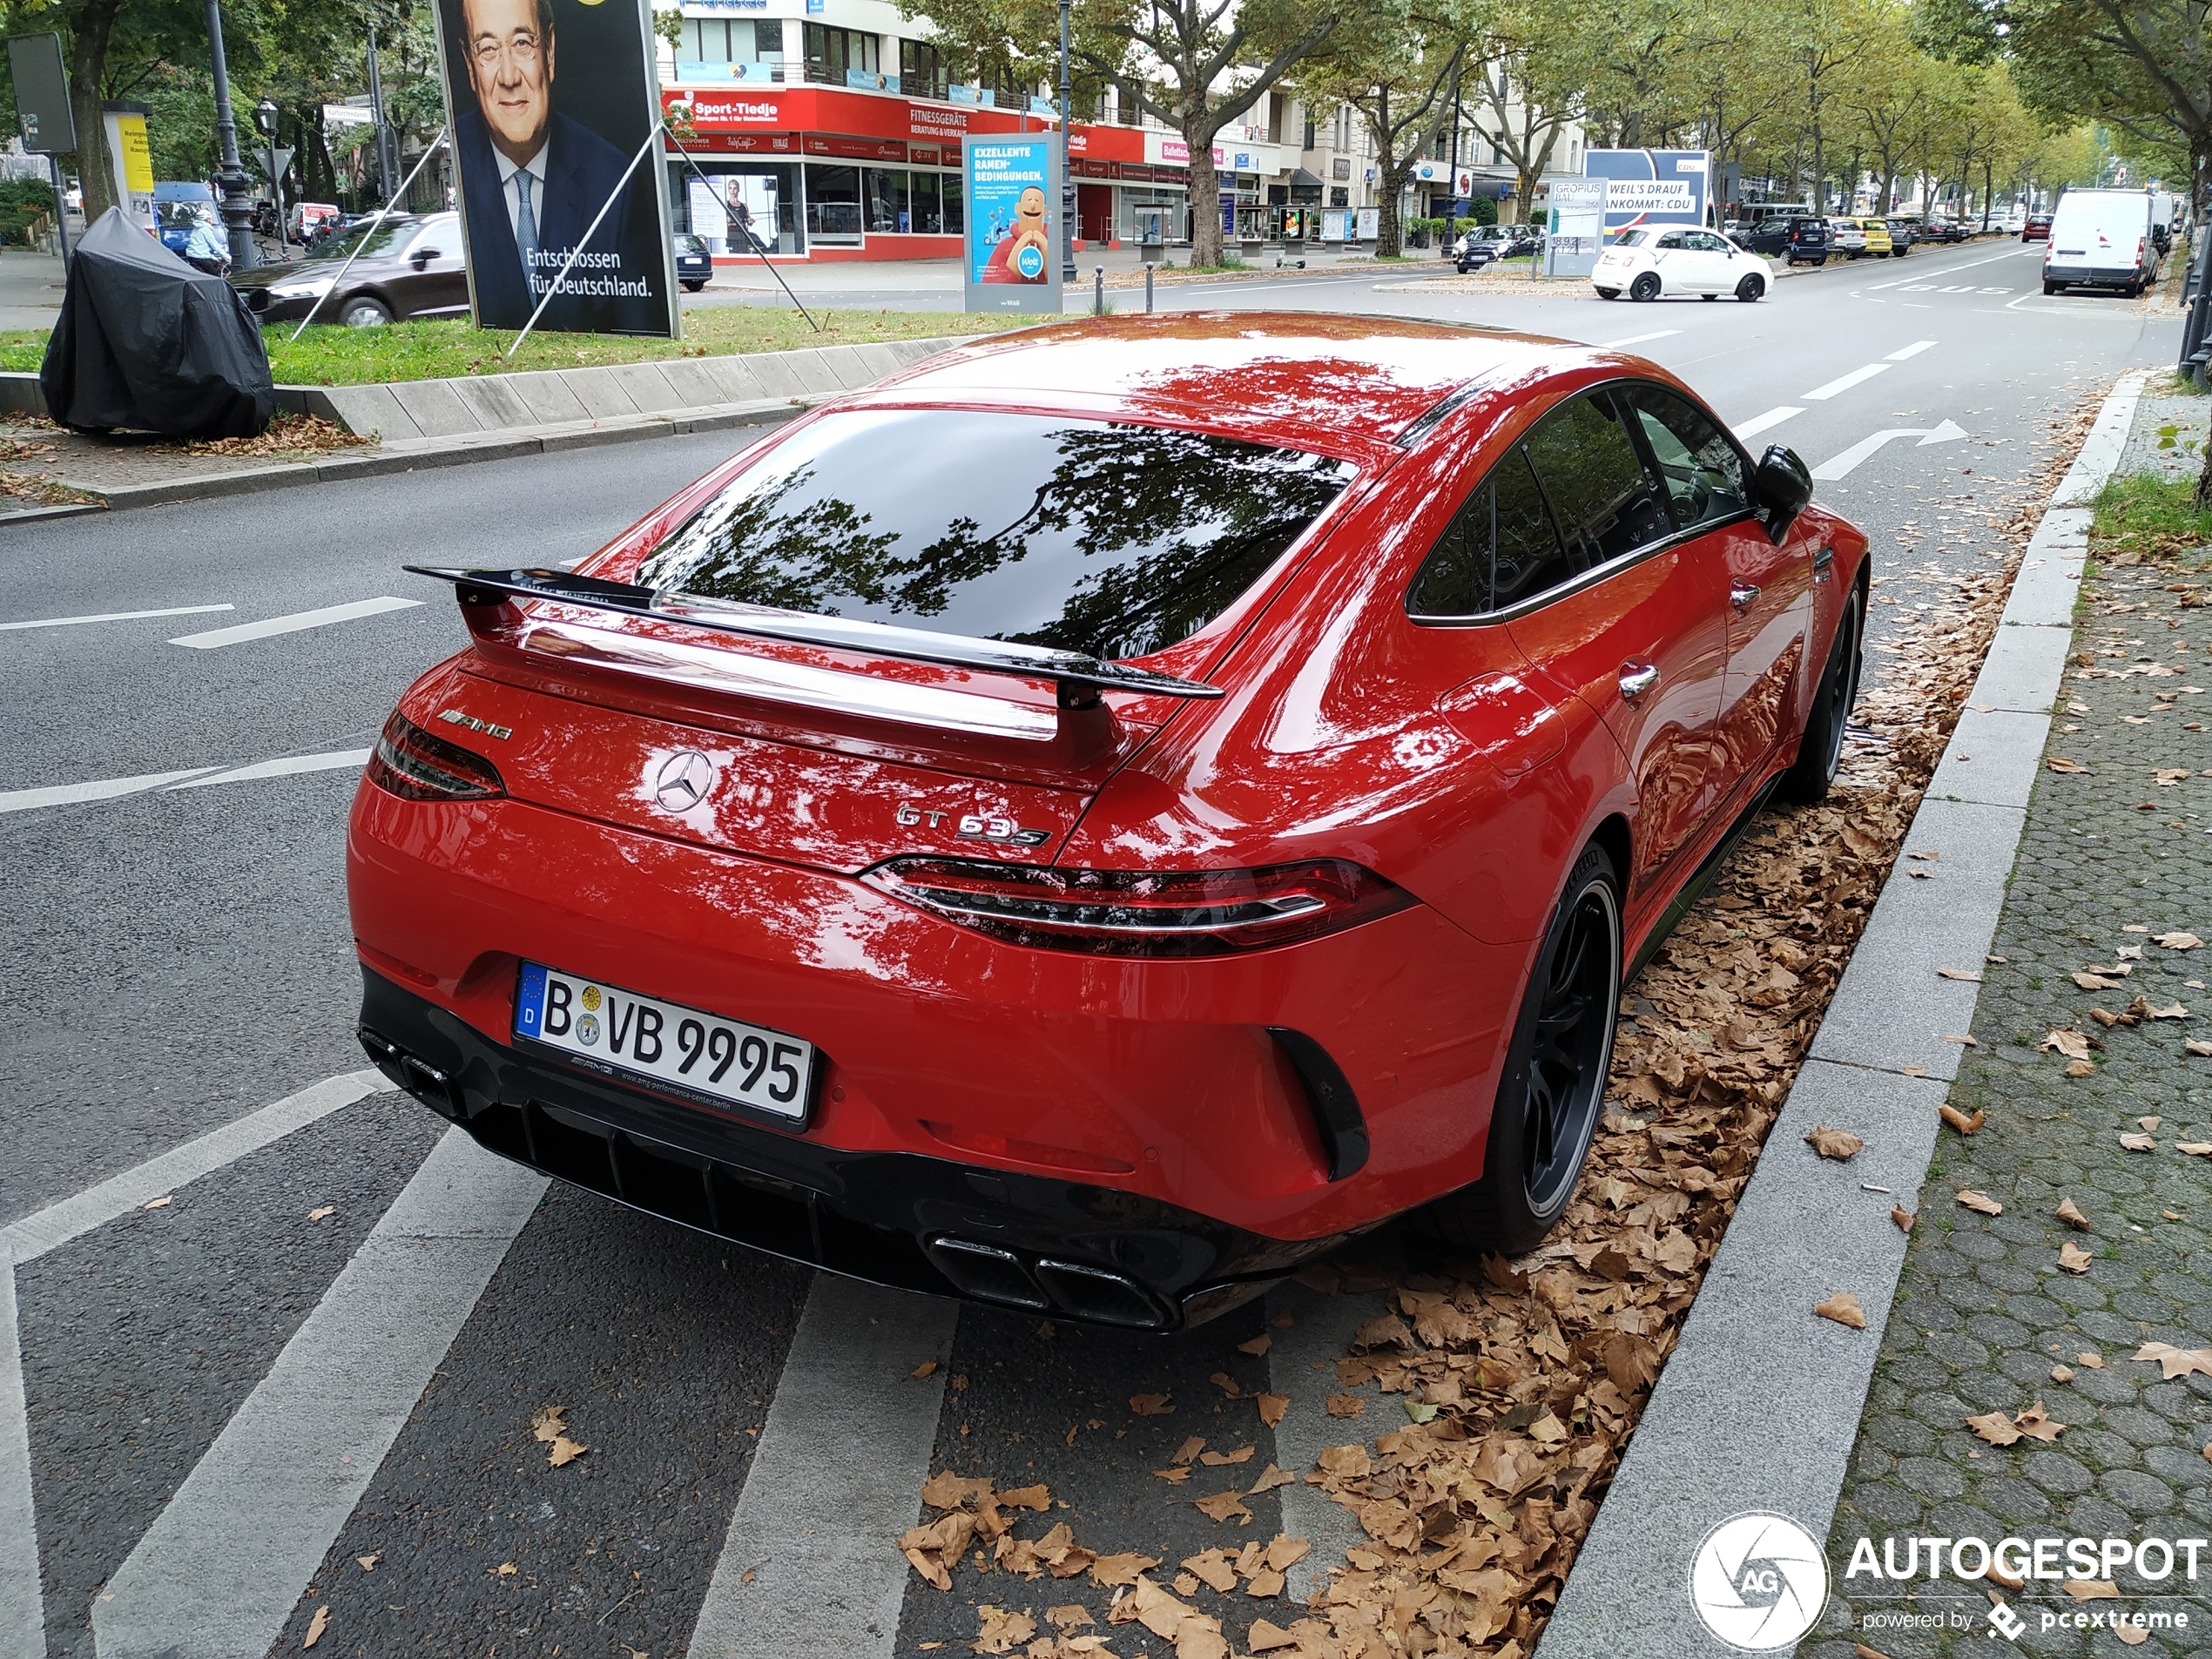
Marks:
<point>144,342</point>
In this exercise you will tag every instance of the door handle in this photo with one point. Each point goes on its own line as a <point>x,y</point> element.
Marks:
<point>1743,593</point>
<point>1637,679</point>
<point>1821,562</point>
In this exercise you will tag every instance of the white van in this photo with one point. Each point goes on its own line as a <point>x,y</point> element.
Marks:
<point>2101,239</point>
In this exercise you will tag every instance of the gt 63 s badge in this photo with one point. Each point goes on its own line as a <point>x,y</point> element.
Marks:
<point>975,826</point>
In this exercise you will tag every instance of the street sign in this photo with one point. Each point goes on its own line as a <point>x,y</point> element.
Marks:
<point>281,160</point>
<point>41,94</point>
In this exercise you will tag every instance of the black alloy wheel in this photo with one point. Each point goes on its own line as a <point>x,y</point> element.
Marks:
<point>1645,287</point>
<point>1553,1085</point>
<point>1820,750</point>
<point>1749,289</point>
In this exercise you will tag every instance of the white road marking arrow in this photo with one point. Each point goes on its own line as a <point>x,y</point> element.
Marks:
<point>1842,465</point>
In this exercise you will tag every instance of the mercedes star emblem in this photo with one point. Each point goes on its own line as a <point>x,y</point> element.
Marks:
<point>683,781</point>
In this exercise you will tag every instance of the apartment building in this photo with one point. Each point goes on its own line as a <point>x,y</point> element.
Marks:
<point>831,130</point>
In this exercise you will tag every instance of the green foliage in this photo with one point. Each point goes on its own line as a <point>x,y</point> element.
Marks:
<point>22,202</point>
<point>2143,516</point>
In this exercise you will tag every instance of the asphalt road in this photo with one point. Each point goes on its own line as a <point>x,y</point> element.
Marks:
<point>178,958</point>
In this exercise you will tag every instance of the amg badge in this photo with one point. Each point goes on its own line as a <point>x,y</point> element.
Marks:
<point>976,826</point>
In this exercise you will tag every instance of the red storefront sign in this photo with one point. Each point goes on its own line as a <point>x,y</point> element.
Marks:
<point>838,122</point>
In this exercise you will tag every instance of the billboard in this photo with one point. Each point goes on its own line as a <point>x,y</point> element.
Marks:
<point>1010,263</point>
<point>1573,223</point>
<point>551,101</point>
<point>1651,186</point>
<point>132,160</point>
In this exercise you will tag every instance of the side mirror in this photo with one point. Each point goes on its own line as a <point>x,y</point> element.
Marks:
<point>422,256</point>
<point>1781,488</point>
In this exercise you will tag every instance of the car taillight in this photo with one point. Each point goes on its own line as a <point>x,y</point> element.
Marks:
<point>1133,912</point>
<point>415,765</point>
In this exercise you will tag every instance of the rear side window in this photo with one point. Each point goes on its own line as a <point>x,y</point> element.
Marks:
<point>1107,538</point>
<point>1499,548</point>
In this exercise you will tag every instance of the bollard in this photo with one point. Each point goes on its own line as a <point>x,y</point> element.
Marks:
<point>1097,290</point>
<point>1148,287</point>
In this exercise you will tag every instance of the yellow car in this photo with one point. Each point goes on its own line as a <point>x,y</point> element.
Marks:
<point>1878,242</point>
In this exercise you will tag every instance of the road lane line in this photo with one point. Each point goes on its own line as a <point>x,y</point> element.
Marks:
<point>1842,466</point>
<point>112,616</point>
<point>22,1611</point>
<point>1845,382</point>
<point>24,800</point>
<point>223,1567</point>
<point>1752,427</point>
<point>1637,339</point>
<point>334,761</point>
<point>54,1226</point>
<point>1913,350</point>
<point>836,1477</point>
<point>215,639</point>
<point>1926,276</point>
<point>23,1608</point>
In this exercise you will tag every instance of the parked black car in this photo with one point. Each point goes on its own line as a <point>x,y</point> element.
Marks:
<point>694,264</point>
<point>1801,239</point>
<point>1478,248</point>
<point>407,266</point>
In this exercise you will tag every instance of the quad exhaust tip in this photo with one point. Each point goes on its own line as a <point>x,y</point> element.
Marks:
<point>992,1274</point>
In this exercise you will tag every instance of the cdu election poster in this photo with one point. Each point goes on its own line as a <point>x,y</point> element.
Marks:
<point>551,101</point>
<point>1013,258</point>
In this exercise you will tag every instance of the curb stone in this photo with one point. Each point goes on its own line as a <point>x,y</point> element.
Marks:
<point>1759,1405</point>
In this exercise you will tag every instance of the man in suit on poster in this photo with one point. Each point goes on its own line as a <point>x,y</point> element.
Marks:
<point>532,180</point>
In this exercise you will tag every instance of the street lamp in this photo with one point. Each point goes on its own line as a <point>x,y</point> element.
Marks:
<point>230,178</point>
<point>265,117</point>
<point>1067,183</point>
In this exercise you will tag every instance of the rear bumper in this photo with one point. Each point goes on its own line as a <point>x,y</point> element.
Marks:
<point>1067,1248</point>
<point>2094,276</point>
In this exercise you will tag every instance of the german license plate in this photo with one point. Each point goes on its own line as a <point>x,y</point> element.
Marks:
<point>684,1050</point>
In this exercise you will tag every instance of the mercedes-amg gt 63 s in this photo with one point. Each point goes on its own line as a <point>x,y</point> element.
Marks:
<point>1097,818</point>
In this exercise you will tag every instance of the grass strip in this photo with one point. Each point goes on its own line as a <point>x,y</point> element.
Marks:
<point>2145,517</point>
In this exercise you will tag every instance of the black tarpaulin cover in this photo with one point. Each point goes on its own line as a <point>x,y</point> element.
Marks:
<point>146,341</point>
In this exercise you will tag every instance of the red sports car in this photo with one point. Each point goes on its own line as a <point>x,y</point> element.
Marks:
<point>1097,818</point>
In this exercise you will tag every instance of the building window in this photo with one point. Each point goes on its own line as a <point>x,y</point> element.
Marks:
<point>921,70</point>
<point>831,52</point>
<point>890,210</point>
<point>833,201</point>
<point>1308,144</point>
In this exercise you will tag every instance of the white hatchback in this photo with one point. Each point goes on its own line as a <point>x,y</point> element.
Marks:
<point>1651,261</point>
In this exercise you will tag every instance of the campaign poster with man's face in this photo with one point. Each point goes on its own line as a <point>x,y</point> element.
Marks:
<point>551,101</point>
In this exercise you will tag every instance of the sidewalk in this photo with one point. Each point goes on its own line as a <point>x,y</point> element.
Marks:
<point>2004,1306</point>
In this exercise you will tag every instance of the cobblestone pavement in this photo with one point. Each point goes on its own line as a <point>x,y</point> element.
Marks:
<point>1986,1319</point>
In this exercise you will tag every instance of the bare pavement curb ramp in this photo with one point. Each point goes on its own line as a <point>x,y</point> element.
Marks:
<point>1760,1405</point>
<point>488,417</point>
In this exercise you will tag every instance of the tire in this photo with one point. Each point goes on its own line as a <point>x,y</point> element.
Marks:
<point>693,287</point>
<point>363,311</point>
<point>1645,288</point>
<point>1821,749</point>
<point>1749,290</point>
<point>1553,1087</point>
<point>1608,294</point>
<point>1709,298</point>
<point>2050,289</point>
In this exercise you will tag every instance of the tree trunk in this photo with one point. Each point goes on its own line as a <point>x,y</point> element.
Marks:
<point>1819,172</point>
<point>1205,200</point>
<point>1389,227</point>
<point>87,75</point>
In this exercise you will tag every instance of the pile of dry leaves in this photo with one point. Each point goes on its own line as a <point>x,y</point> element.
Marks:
<point>1521,1382</point>
<point>35,487</point>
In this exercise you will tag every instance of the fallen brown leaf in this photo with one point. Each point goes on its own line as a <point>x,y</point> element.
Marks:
<point>1903,1218</point>
<point>1073,1617</point>
<point>369,1561</point>
<point>1215,1459</point>
<point>2139,1144</point>
<point>1980,1201</point>
<point>1258,1346</point>
<point>2070,1214</point>
<point>2196,1149</point>
<point>1264,1637</point>
<point>1995,1427</point>
<point>2178,940</point>
<point>2094,1361</point>
<point>1003,1630</point>
<point>1844,1309</point>
<point>2131,1636</point>
<point>1271,1407</point>
<point>2093,1590</point>
<point>2176,1362</point>
<point>1107,1571</point>
<point>2061,1373</point>
<point>2074,1258</point>
<point>317,1625</point>
<point>1036,1499</point>
<point>317,1213</point>
<point>1966,973</point>
<point>2036,1423</point>
<point>1345,1406</point>
<point>1151,1405</point>
<point>1223,1505</point>
<point>1996,1574</point>
<point>2062,763</point>
<point>2067,1041</point>
<point>923,1372</point>
<point>162,1202</point>
<point>1839,1144</point>
<point>1269,1478</point>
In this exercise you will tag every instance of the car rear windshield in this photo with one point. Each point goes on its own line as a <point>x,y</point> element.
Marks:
<point>1108,538</point>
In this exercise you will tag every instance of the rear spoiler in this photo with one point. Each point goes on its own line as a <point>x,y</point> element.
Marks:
<point>1077,680</point>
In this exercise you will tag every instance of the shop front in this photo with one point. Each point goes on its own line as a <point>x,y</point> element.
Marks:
<point>822,173</point>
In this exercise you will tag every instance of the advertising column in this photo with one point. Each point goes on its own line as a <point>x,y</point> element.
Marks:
<point>1008,264</point>
<point>133,161</point>
<point>551,102</point>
